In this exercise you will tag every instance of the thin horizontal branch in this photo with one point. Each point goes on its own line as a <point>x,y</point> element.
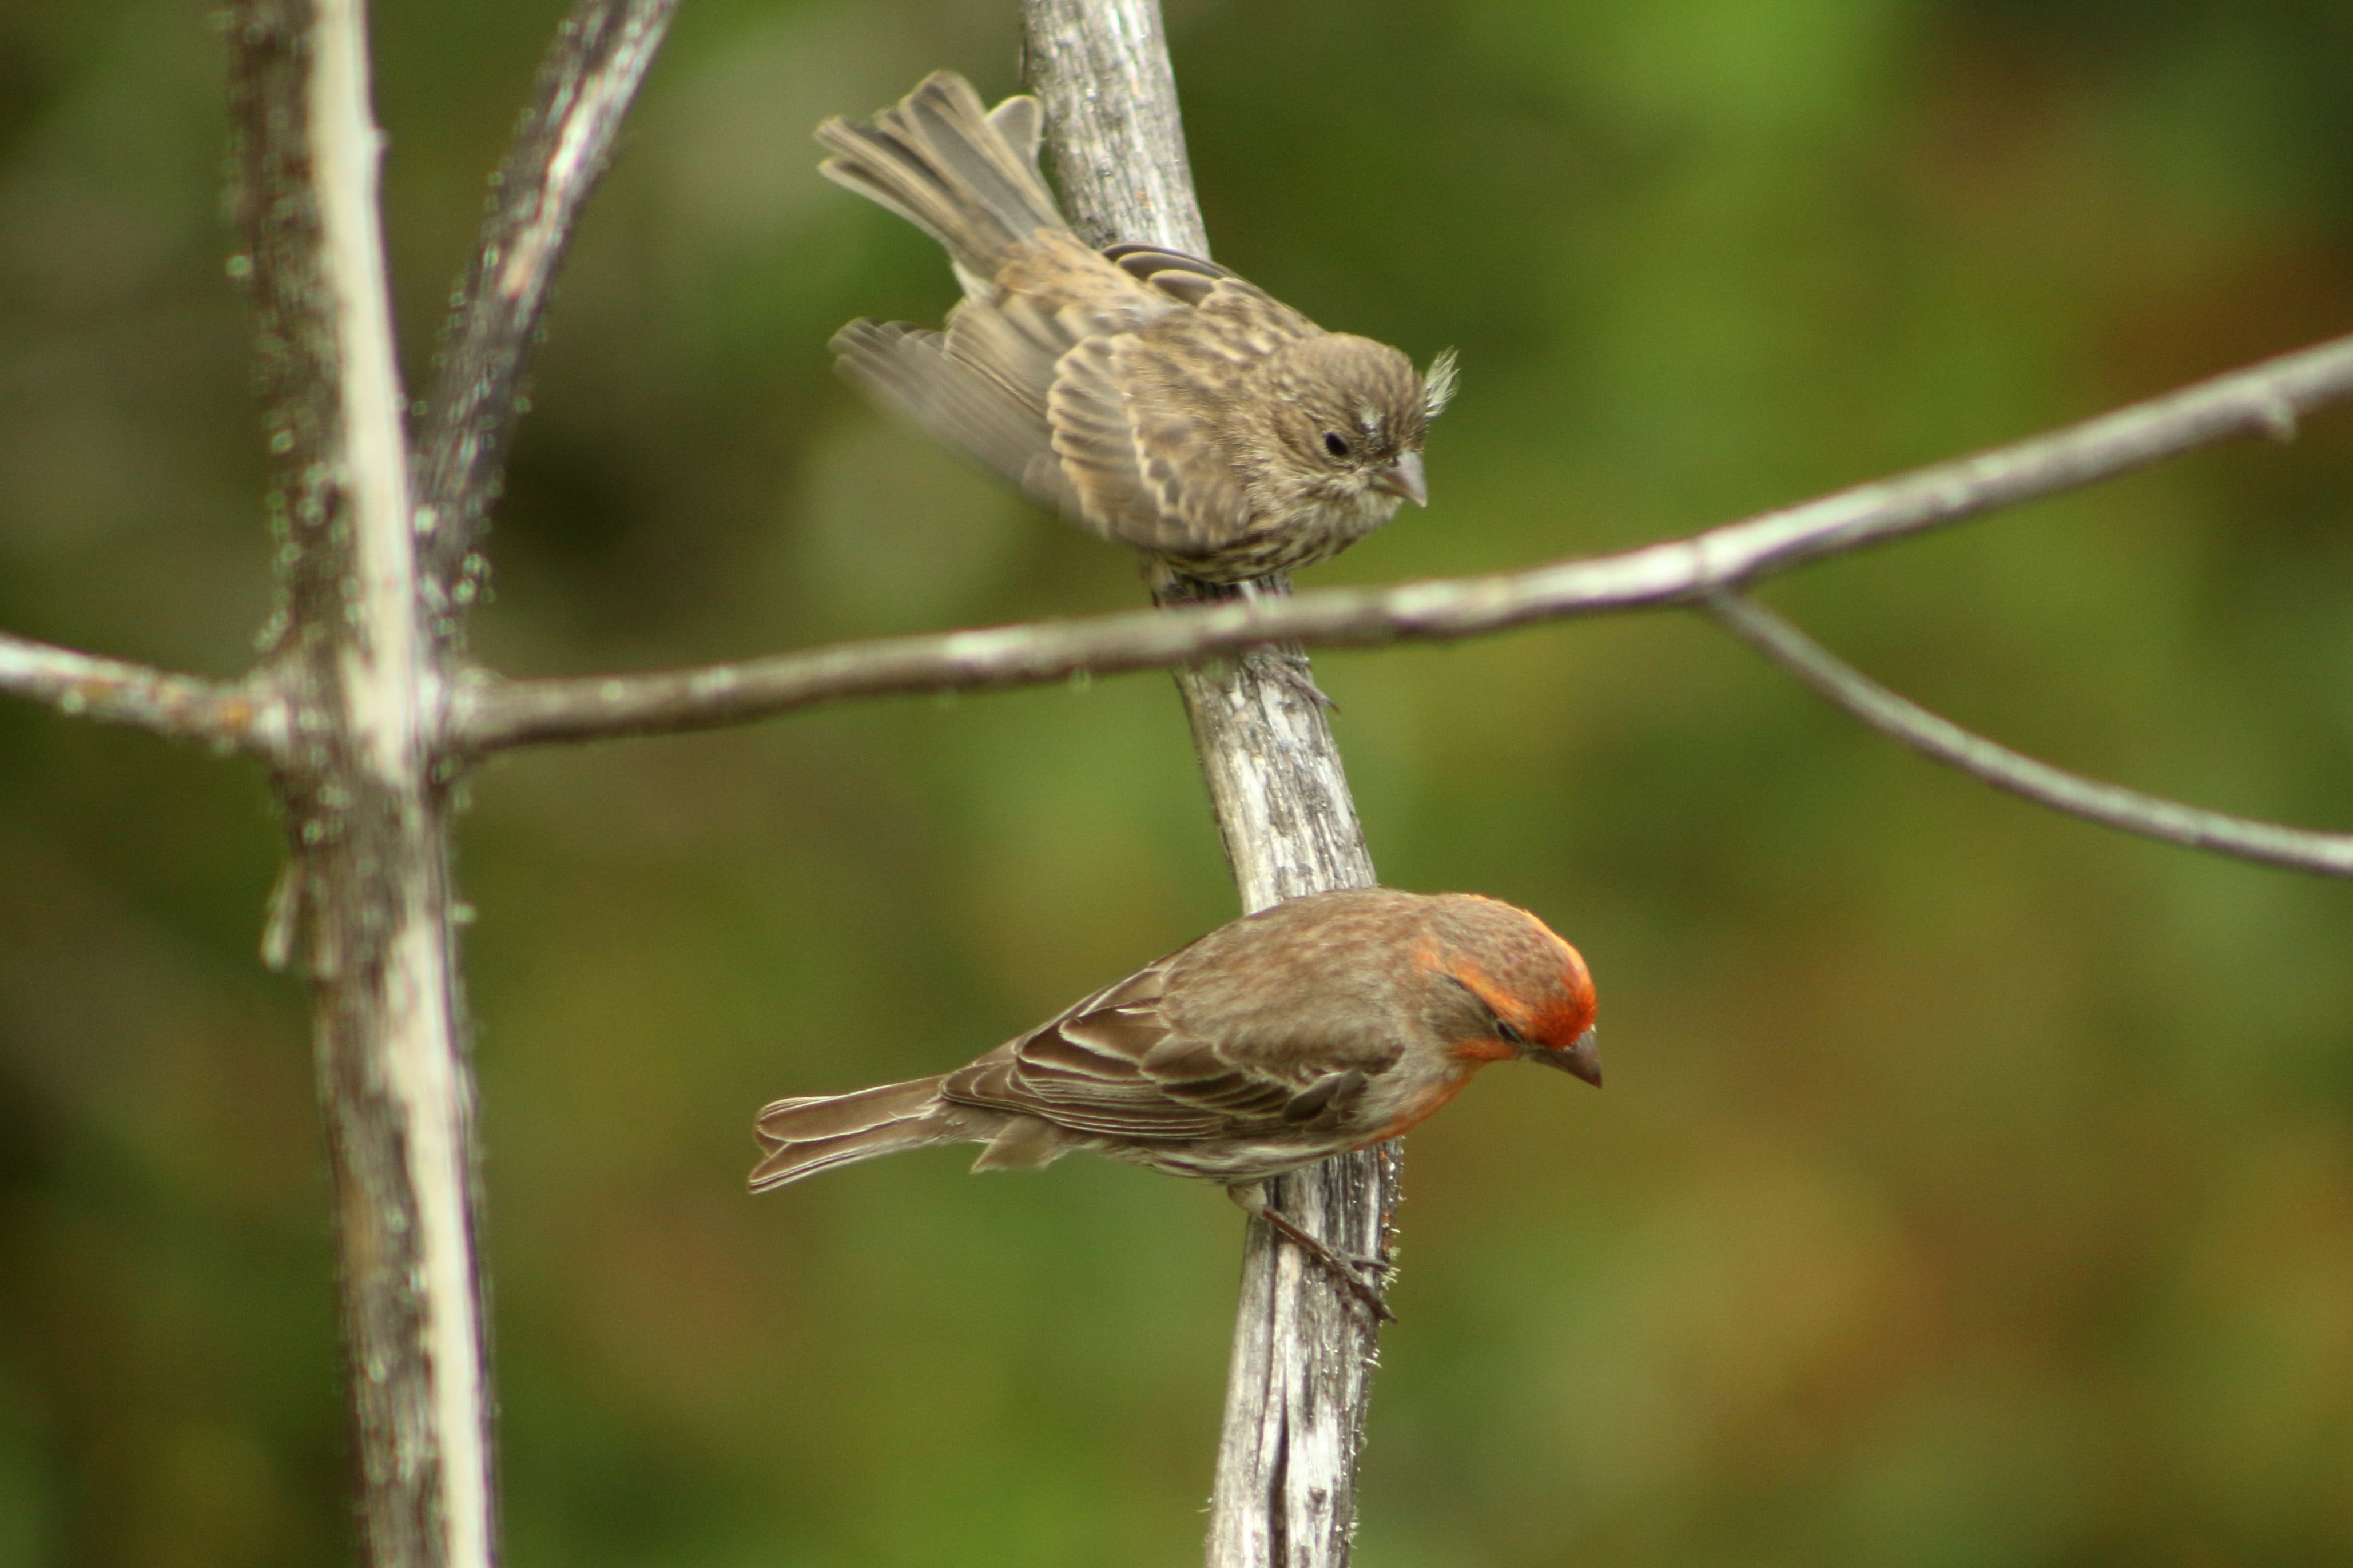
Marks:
<point>246,715</point>
<point>2264,399</point>
<point>2151,816</point>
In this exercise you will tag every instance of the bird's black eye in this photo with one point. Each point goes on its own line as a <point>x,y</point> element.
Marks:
<point>1335,443</point>
<point>1508,1035</point>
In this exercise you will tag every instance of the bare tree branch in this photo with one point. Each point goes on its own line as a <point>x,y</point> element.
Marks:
<point>1102,72</point>
<point>491,715</point>
<point>361,714</point>
<point>1301,1374</point>
<point>369,881</point>
<point>246,715</point>
<point>2151,816</point>
<point>586,83</point>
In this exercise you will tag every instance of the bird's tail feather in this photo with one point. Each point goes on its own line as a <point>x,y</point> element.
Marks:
<point>966,176</point>
<point>801,1137</point>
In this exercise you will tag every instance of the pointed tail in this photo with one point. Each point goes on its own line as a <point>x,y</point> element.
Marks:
<point>802,1137</point>
<point>967,177</point>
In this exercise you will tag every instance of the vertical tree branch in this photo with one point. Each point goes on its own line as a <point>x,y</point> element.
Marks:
<point>368,888</point>
<point>1301,1374</point>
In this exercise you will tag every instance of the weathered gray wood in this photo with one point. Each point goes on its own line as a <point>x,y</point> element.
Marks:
<point>1303,1356</point>
<point>352,702</point>
<point>364,903</point>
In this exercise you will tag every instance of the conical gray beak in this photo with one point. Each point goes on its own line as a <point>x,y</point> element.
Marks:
<point>1582,1060</point>
<point>1404,479</point>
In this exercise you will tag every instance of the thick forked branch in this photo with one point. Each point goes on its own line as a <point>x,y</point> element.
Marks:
<point>586,83</point>
<point>1932,735</point>
<point>367,892</point>
<point>349,706</point>
<point>1301,1374</point>
<point>233,715</point>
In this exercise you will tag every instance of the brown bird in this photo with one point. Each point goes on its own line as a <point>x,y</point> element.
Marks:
<point>1321,1025</point>
<point>1153,397</point>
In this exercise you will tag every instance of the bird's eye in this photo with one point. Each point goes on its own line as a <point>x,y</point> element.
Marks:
<point>1508,1035</point>
<point>1335,443</point>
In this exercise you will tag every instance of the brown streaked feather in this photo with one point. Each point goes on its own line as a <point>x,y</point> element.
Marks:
<point>1182,277</point>
<point>984,386</point>
<point>1109,1066</point>
<point>1331,1092</point>
<point>1103,456</point>
<point>948,166</point>
<point>1151,396</point>
<point>1026,1144</point>
<point>909,371</point>
<point>1137,433</point>
<point>1014,346</point>
<point>1244,324</point>
<point>801,1137</point>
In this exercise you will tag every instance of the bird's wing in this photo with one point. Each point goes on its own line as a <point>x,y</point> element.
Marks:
<point>1135,416</point>
<point>917,374</point>
<point>1182,277</point>
<point>1233,321</point>
<point>1112,1065</point>
<point>1131,421</point>
<point>1142,473</point>
<point>982,386</point>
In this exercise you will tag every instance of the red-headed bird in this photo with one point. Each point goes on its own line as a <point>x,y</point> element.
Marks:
<point>1321,1025</point>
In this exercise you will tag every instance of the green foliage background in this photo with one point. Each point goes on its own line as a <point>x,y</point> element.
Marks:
<point>1972,1187</point>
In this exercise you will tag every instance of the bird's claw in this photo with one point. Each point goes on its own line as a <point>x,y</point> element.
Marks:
<point>1371,1287</point>
<point>1342,1266</point>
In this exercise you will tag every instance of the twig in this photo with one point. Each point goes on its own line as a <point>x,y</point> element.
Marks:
<point>2262,399</point>
<point>1301,1375</point>
<point>247,715</point>
<point>368,884</point>
<point>586,83</point>
<point>2328,854</point>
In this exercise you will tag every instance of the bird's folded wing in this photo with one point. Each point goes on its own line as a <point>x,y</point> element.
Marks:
<point>1174,273</point>
<point>1111,1066</point>
<point>1142,466</point>
<point>1135,415</point>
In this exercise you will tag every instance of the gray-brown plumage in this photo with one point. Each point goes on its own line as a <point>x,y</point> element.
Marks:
<point>1322,1024</point>
<point>1153,397</point>
<point>1317,1025</point>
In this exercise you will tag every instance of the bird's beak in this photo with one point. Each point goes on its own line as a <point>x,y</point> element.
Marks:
<point>1583,1059</point>
<point>1403,479</point>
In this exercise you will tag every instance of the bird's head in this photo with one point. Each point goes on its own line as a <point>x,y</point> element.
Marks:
<point>1348,416</point>
<point>1510,987</point>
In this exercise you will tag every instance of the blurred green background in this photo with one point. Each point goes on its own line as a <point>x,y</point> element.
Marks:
<point>1972,1187</point>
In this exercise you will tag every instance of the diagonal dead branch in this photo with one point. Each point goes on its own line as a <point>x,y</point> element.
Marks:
<point>249,715</point>
<point>586,82</point>
<point>2262,399</point>
<point>2112,806</point>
